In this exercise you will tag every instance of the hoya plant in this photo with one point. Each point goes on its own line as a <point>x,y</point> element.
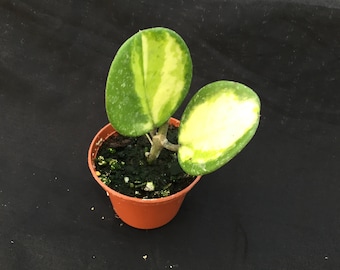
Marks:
<point>148,80</point>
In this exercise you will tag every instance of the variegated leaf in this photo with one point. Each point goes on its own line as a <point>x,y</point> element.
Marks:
<point>216,125</point>
<point>148,80</point>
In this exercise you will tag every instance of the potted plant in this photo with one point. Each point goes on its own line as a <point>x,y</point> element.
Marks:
<point>149,78</point>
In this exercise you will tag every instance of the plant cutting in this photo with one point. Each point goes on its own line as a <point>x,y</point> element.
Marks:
<point>148,80</point>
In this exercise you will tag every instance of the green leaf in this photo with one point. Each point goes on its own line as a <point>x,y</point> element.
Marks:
<point>148,80</point>
<point>216,125</point>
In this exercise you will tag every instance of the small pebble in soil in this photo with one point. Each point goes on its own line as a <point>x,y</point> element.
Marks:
<point>149,186</point>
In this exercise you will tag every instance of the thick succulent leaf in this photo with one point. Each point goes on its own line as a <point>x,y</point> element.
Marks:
<point>216,125</point>
<point>148,80</point>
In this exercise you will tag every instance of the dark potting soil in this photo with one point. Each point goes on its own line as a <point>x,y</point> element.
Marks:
<point>121,164</point>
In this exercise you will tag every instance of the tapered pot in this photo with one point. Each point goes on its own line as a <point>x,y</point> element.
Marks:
<point>136,212</point>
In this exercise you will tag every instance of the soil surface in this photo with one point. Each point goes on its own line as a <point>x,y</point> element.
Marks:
<point>121,164</point>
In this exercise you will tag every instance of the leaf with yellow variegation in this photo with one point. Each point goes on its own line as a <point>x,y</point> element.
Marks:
<point>147,81</point>
<point>216,125</point>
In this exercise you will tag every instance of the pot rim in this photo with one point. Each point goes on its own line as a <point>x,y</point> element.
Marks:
<point>97,141</point>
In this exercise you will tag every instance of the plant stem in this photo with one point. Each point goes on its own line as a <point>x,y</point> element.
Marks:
<point>160,141</point>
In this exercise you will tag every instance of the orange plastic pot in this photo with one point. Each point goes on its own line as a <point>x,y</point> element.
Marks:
<point>136,212</point>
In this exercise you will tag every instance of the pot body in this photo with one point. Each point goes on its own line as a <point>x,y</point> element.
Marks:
<point>136,212</point>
